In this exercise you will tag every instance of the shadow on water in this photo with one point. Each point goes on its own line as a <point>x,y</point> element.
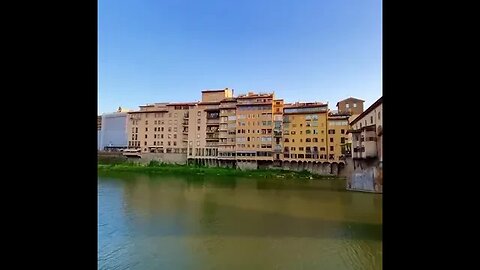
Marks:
<point>254,223</point>
<point>216,218</point>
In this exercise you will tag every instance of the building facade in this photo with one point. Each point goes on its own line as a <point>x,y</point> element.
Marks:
<point>337,136</point>
<point>248,131</point>
<point>367,146</point>
<point>353,106</point>
<point>113,130</point>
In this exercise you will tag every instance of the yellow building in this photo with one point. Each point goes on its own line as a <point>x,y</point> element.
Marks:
<point>304,132</point>
<point>337,136</point>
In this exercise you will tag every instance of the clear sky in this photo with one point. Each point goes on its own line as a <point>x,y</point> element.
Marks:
<point>304,50</point>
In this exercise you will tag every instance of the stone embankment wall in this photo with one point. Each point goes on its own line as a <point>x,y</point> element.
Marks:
<point>366,176</point>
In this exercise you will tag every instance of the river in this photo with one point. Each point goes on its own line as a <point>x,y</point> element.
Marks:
<point>196,222</point>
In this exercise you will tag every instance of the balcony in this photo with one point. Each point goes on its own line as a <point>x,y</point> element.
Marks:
<point>277,149</point>
<point>213,121</point>
<point>210,131</point>
<point>211,144</point>
<point>277,133</point>
<point>212,138</point>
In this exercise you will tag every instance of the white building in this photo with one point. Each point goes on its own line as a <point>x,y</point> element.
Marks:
<point>113,134</point>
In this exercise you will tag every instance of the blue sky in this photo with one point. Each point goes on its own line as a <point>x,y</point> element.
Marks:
<point>304,50</point>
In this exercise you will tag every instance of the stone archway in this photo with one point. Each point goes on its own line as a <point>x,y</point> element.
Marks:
<point>334,168</point>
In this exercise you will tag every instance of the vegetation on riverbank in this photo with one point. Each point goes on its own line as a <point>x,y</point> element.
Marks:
<point>157,167</point>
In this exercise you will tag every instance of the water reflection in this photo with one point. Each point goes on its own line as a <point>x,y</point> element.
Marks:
<point>222,223</point>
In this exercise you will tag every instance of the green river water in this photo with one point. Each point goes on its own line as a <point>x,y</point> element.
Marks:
<point>203,222</point>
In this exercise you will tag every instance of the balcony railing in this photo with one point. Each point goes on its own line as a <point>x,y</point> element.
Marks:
<point>212,138</point>
<point>214,121</point>
<point>211,144</point>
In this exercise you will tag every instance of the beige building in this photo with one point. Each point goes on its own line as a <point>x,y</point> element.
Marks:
<point>227,130</point>
<point>367,133</point>
<point>254,114</point>
<point>278,106</point>
<point>367,146</point>
<point>159,128</point>
<point>351,105</point>
<point>204,124</point>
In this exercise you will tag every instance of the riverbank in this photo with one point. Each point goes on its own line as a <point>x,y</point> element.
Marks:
<point>156,167</point>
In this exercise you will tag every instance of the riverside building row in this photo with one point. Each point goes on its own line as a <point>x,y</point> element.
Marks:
<point>246,131</point>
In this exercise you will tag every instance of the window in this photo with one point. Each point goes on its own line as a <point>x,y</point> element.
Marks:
<point>154,143</point>
<point>300,149</point>
<point>307,131</point>
<point>146,129</point>
<point>371,119</point>
<point>155,129</point>
<point>342,140</point>
<point>342,131</point>
<point>301,132</point>
<point>331,139</point>
<point>136,130</point>
<point>354,105</point>
<point>154,136</point>
<point>174,143</point>
<point>378,115</point>
<point>169,143</point>
<point>199,113</point>
<point>301,140</point>
<point>293,140</point>
<point>286,140</point>
<point>145,136</point>
<point>146,122</point>
<point>169,129</point>
<point>315,140</point>
<point>347,105</point>
<point>163,129</point>
<point>331,148</point>
<point>292,132</point>
<point>198,128</point>
<point>323,140</point>
<point>145,144</point>
<point>331,131</point>
<point>308,140</point>
<point>174,136</point>
<point>169,136</point>
<point>161,136</point>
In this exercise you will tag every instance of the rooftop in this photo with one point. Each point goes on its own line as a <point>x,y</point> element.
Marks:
<point>371,108</point>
